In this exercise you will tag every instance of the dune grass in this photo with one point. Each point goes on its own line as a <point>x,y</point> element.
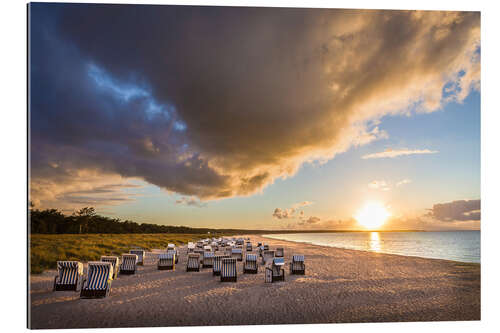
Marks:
<point>46,250</point>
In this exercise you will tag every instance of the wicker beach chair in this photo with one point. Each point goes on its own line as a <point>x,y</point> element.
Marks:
<point>276,272</point>
<point>267,256</point>
<point>97,284</point>
<point>193,262</point>
<point>297,266</point>
<point>217,265</point>
<point>266,247</point>
<point>280,252</point>
<point>115,261</point>
<point>140,256</point>
<point>208,259</point>
<point>237,253</point>
<point>175,253</point>
<point>228,270</point>
<point>250,265</point>
<point>167,261</point>
<point>69,275</point>
<point>191,246</point>
<point>249,247</point>
<point>128,263</point>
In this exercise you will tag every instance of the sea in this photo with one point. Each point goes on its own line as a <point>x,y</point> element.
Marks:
<point>463,246</point>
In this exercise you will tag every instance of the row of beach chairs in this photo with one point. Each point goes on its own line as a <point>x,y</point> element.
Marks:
<point>100,274</point>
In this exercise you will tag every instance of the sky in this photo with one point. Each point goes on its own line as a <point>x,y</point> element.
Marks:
<point>263,118</point>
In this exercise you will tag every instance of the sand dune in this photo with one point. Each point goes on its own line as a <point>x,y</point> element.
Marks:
<point>340,286</point>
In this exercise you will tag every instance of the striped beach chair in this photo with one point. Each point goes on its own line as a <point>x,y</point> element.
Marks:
<point>208,259</point>
<point>140,256</point>
<point>276,271</point>
<point>218,263</point>
<point>175,253</point>
<point>267,256</point>
<point>166,261</point>
<point>193,262</point>
<point>280,252</point>
<point>249,247</point>
<point>228,271</point>
<point>298,266</point>
<point>97,284</point>
<point>199,252</point>
<point>69,275</point>
<point>250,265</point>
<point>115,261</point>
<point>128,264</point>
<point>237,253</point>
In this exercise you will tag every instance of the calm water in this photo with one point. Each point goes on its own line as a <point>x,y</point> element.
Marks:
<point>451,245</point>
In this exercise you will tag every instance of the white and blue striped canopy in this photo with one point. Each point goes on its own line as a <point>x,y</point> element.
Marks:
<point>298,257</point>
<point>98,275</point>
<point>129,261</point>
<point>251,257</point>
<point>115,261</point>
<point>193,260</point>
<point>228,267</point>
<point>68,271</point>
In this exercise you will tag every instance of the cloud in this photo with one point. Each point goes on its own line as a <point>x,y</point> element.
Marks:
<point>403,182</point>
<point>222,101</point>
<point>379,185</point>
<point>293,212</point>
<point>191,201</point>
<point>460,210</point>
<point>389,153</point>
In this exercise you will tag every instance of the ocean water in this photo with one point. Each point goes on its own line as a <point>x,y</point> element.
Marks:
<point>464,246</point>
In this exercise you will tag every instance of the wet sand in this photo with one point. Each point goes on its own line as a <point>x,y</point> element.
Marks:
<point>340,286</point>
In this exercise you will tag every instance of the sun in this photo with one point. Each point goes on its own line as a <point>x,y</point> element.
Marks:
<point>372,215</point>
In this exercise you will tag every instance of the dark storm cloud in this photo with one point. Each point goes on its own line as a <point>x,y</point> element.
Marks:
<point>215,102</point>
<point>460,210</point>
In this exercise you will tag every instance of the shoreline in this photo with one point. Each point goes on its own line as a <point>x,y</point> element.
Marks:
<point>375,252</point>
<point>340,286</point>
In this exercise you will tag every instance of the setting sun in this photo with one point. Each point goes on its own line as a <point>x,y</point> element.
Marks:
<point>372,215</point>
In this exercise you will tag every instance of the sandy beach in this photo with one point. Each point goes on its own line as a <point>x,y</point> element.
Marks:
<point>340,286</point>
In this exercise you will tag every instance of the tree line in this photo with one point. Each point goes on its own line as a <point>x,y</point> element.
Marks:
<point>87,221</point>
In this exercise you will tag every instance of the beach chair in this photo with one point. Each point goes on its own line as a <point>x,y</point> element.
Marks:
<point>267,256</point>
<point>69,275</point>
<point>217,264</point>
<point>249,247</point>
<point>167,261</point>
<point>237,253</point>
<point>280,252</point>
<point>207,248</point>
<point>266,247</point>
<point>97,284</point>
<point>191,247</point>
<point>115,261</point>
<point>208,259</point>
<point>297,266</point>
<point>140,256</point>
<point>250,265</point>
<point>128,263</point>
<point>174,252</point>
<point>228,270</point>
<point>276,272</point>
<point>193,262</point>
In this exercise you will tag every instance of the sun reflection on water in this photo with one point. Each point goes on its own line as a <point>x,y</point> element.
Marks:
<point>375,241</point>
